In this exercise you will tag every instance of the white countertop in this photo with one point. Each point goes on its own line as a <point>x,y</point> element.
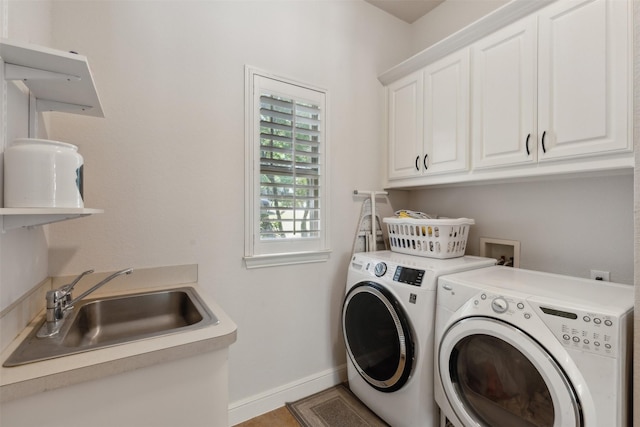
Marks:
<point>25,380</point>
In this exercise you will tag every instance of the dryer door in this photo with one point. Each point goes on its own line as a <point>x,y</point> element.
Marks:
<point>378,336</point>
<point>496,375</point>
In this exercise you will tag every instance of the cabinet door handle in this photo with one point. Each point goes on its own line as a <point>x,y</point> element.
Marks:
<point>527,145</point>
<point>544,150</point>
<point>424,161</point>
<point>417,166</point>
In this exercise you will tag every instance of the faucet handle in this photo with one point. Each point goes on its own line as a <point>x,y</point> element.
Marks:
<point>68,288</point>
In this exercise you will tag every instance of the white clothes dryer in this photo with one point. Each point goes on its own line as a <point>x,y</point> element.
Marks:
<point>523,348</point>
<point>388,326</point>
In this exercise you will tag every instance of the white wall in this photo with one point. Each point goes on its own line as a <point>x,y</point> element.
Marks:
<point>636,137</point>
<point>23,252</point>
<point>565,226</point>
<point>447,18</point>
<point>167,162</point>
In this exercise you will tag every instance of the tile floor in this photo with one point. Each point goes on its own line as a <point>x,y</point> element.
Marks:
<point>280,417</point>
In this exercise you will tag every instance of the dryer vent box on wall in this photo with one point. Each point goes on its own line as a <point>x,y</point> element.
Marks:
<point>507,252</point>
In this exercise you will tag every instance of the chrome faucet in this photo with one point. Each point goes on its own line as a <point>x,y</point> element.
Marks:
<point>60,301</point>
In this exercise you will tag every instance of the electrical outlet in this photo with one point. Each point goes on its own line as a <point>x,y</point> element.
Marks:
<point>600,275</point>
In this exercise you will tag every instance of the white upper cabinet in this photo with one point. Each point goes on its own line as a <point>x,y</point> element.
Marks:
<point>446,114</point>
<point>428,119</point>
<point>504,97</point>
<point>529,92</point>
<point>404,112</point>
<point>583,78</point>
<point>578,72</point>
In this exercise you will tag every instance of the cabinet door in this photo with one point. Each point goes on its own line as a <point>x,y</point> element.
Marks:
<point>504,97</point>
<point>404,103</point>
<point>583,78</point>
<point>446,108</point>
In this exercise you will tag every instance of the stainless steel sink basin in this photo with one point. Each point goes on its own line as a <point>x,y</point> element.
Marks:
<point>105,322</point>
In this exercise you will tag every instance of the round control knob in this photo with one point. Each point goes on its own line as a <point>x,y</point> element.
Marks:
<point>499,305</point>
<point>380,269</point>
<point>597,321</point>
<point>608,322</point>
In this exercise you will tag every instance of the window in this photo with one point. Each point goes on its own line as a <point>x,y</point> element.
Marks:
<point>286,185</point>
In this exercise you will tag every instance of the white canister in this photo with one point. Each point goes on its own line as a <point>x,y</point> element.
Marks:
<point>40,173</point>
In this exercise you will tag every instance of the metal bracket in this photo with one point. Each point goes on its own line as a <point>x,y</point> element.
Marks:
<point>20,72</point>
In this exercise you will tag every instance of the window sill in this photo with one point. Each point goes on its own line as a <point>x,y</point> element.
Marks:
<point>273,260</point>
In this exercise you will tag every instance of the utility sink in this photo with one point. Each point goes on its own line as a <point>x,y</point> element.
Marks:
<point>106,322</point>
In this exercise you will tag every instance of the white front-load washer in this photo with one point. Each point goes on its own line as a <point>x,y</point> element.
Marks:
<point>524,348</point>
<point>388,326</point>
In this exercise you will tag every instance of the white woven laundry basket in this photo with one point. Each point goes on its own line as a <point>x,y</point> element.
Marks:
<point>431,238</point>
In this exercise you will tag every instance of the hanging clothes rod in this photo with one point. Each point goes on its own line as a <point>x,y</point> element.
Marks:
<point>369,193</point>
<point>372,194</point>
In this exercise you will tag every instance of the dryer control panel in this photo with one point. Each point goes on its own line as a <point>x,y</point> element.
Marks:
<point>583,330</point>
<point>590,331</point>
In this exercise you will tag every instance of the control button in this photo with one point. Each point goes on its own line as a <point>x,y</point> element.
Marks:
<point>566,337</point>
<point>380,269</point>
<point>586,341</point>
<point>597,321</point>
<point>607,346</point>
<point>499,305</point>
<point>576,339</point>
<point>527,316</point>
<point>596,343</point>
<point>521,306</point>
<point>586,319</point>
<point>608,322</point>
<point>483,296</point>
<point>476,302</point>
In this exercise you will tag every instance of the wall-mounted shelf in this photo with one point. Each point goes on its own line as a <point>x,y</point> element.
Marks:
<point>29,217</point>
<point>58,80</point>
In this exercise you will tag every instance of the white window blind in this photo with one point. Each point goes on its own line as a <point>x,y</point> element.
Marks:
<point>288,169</point>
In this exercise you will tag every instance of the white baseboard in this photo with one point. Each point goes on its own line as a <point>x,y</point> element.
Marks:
<point>275,398</point>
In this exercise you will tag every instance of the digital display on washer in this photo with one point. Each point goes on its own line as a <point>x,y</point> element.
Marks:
<point>559,313</point>
<point>409,276</point>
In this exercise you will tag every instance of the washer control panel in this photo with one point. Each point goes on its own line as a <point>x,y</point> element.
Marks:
<point>589,331</point>
<point>410,276</point>
<point>398,273</point>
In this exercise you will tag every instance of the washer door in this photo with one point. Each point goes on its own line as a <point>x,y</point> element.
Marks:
<point>494,374</point>
<point>378,336</point>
